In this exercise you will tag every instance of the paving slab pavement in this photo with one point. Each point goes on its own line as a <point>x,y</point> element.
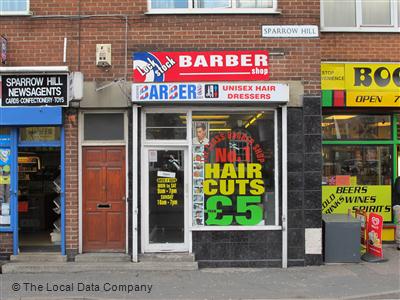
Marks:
<point>337,281</point>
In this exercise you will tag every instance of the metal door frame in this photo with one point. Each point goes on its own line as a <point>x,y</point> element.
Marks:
<point>162,247</point>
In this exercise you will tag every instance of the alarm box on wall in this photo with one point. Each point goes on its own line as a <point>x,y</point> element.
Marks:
<point>103,55</point>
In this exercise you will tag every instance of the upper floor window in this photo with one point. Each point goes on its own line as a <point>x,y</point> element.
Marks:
<point>360,15</point>
<point>14,7</point>
<point>212,6</point>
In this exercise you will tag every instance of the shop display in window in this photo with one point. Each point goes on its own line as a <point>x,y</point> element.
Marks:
<point>39,200</point>
<point>198,179</point>
<point>5,181</point>
<point>356,127</point>
<point>55,235</point>
<point>233,172</point>
<point>40,133</point>
<point>357,177</point>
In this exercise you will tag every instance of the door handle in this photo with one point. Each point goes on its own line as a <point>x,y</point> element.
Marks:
<point>103,205</point>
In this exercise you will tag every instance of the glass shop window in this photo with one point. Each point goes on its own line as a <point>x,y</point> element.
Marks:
<point>46,134</point>
<point>356,127</point>
<point>5,131</point>
<point>398,126</point>
<point>356,164</point>
<point>357,177</point>
<point>5,182</point>
<point>103,127</point>
<point>233,168</point>
<point>168,126</point>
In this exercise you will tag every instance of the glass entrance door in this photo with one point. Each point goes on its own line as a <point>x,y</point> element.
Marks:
<point>165,195</point>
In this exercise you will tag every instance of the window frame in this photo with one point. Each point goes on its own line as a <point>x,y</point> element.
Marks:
<point>26,12</point>
<point>379,140</point>
<point>361,144</point>
<point>394,141</point>
<point>360,27</point>
<point>278,166</point>
<point>192,9</point>
<point>84,142</point>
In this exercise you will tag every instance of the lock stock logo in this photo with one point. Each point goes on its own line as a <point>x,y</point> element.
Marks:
<point>150,67</point>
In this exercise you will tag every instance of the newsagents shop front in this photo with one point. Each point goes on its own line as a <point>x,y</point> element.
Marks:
<point>209,136</point>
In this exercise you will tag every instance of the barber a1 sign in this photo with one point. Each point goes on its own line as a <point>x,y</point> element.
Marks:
<point>200,66</point>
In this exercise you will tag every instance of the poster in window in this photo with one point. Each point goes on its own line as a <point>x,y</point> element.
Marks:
<point>200,133</point>
<point>233,178</point>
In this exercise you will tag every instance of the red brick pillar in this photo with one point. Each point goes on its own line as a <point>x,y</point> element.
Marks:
<point>71,182</point>
<point>6,245</point>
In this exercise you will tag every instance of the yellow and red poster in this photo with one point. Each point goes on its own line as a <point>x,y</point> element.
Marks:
<point>370,198</point>
<point>374,234</point>
<point>229,181</point>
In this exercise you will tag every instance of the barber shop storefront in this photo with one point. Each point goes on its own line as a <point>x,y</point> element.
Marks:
<point>210,156</point>
<point>360,127</point>
<point>32,159</point>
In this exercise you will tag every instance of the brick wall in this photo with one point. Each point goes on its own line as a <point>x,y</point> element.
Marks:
<point>71,182</point>
<point>6,245</point>
<point>360,47</point>
<point>40,41</point>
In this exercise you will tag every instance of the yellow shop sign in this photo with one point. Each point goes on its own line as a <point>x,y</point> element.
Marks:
<point>375,77</point>
<point>371,198</point>
<point>332,77</point>
<point>373,98</point>
<point>365,84</point>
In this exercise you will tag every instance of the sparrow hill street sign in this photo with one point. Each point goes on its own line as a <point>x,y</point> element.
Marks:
<point>289,31</point>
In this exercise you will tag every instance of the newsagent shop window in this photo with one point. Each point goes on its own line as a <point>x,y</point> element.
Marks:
<point>356,127</point>
<point>29,134</point>
<point>233,161</point>
<point>213,6</point>
<point>5,176</point>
